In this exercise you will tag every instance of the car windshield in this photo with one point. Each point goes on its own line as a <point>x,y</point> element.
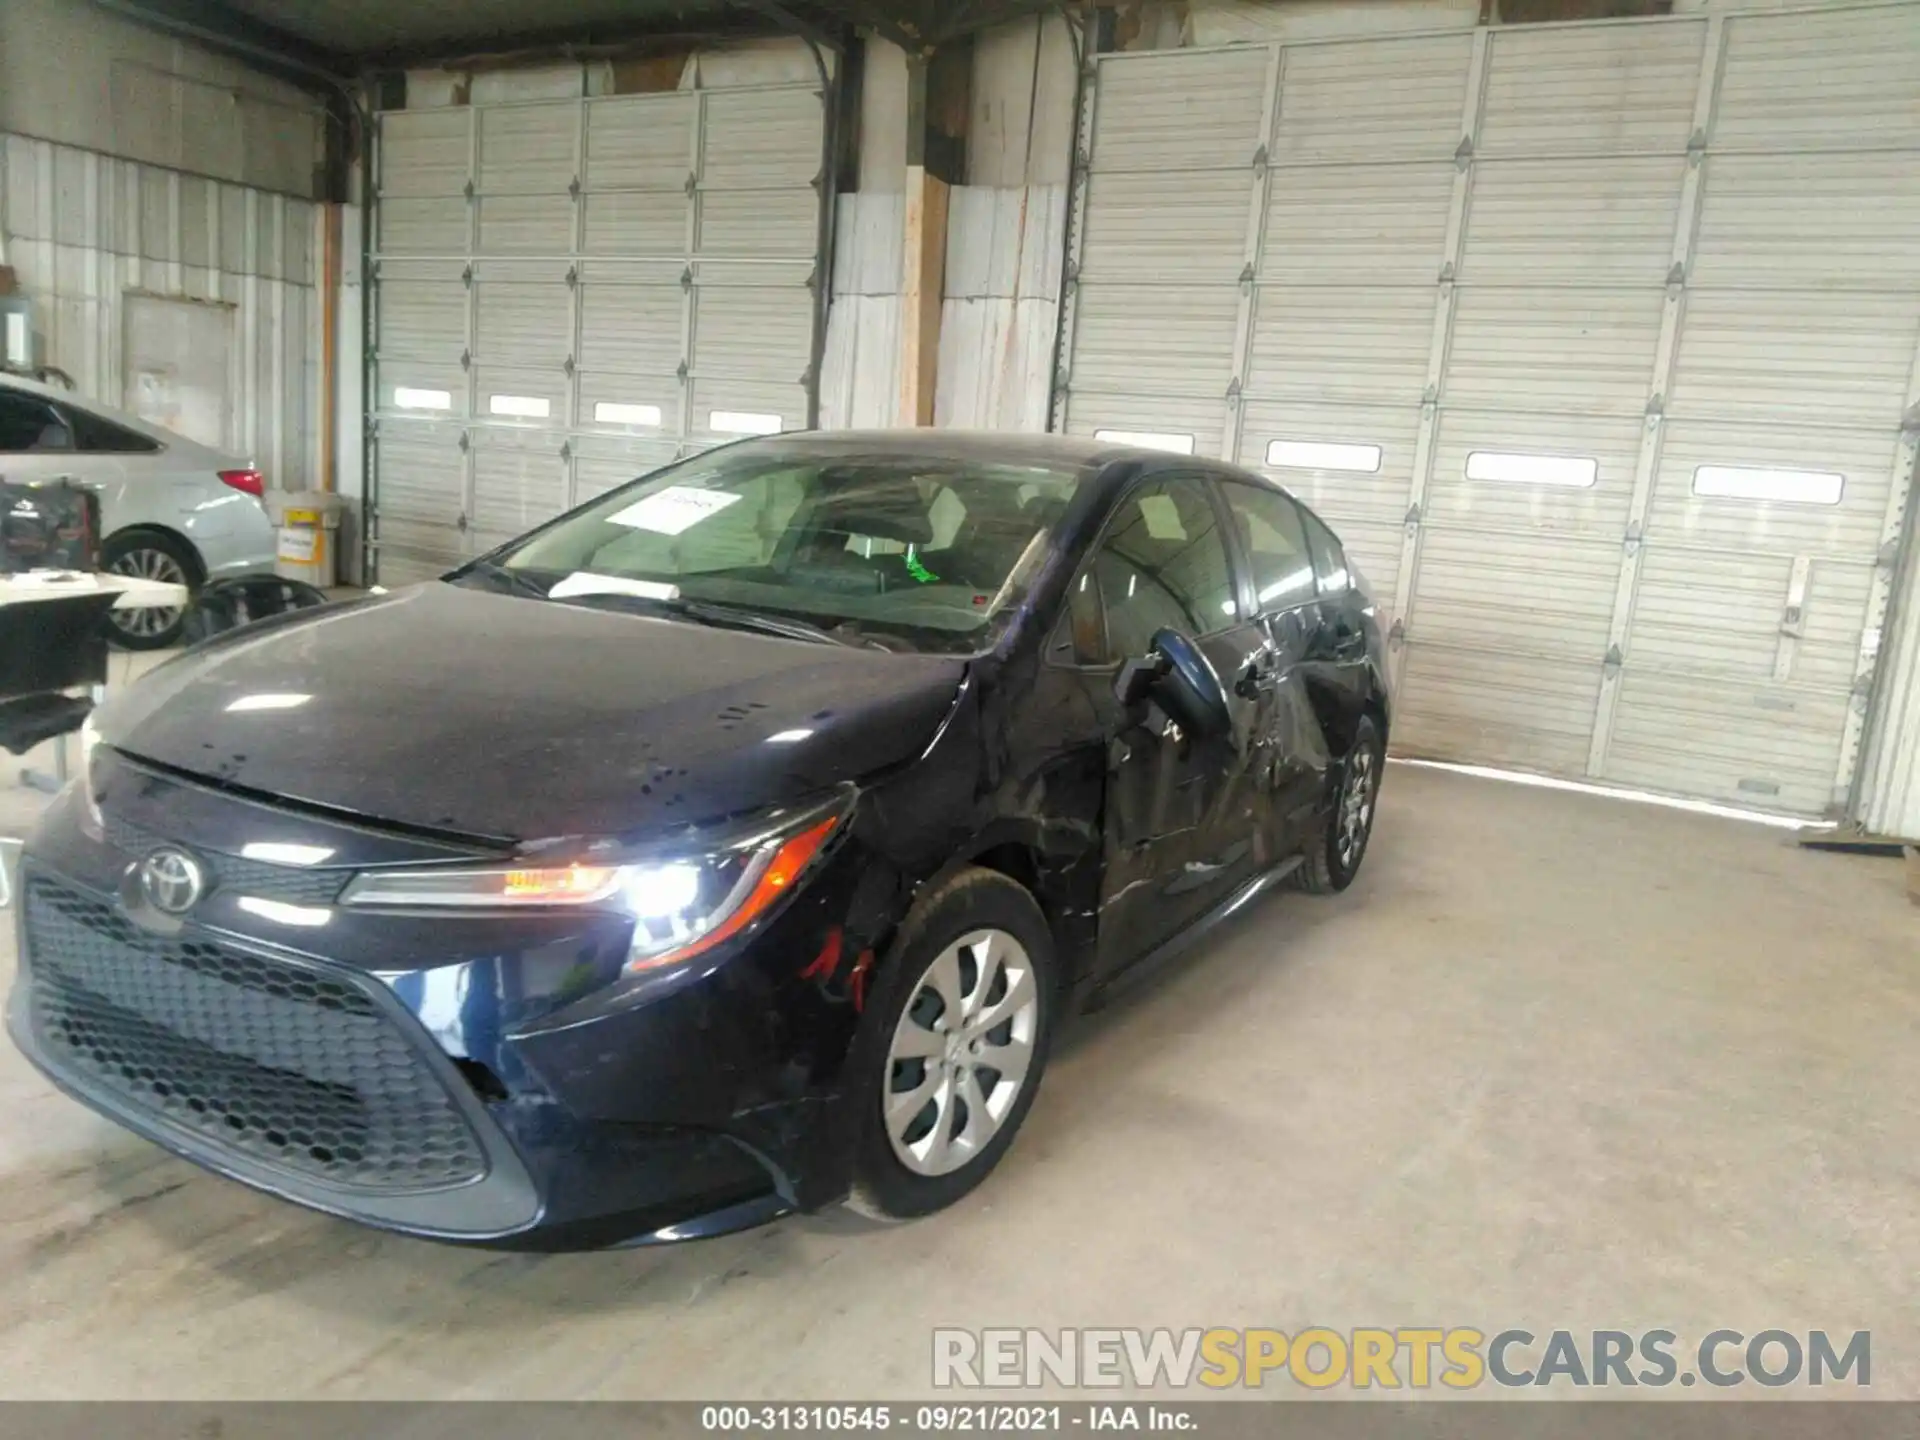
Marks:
<point>905,552</point>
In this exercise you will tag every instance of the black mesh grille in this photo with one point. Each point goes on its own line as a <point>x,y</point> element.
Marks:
<point>287,883</point>
<point>277,1061</point>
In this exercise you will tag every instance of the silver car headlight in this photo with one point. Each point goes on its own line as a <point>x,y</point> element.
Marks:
<point>681,904</point>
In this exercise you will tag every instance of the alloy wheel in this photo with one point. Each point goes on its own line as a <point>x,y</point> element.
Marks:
<point>148,563</point>
<point>1357,791</point>
<point>961,1052</point>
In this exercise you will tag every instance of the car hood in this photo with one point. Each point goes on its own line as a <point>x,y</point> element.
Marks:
<point>495,716</point>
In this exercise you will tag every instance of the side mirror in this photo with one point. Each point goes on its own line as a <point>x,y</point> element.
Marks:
<point>1178,675</point>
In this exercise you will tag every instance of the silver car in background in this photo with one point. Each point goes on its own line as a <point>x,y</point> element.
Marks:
<point>170,509</point>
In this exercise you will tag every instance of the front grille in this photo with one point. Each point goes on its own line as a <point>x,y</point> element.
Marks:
<point>277,1061</point>
<point>286,883</point>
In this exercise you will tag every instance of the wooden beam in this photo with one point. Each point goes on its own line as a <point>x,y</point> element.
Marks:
<point>924,287</point>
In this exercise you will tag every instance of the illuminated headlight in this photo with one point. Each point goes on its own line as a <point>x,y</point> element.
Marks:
<point>681,906</point>
<point>91,821</point>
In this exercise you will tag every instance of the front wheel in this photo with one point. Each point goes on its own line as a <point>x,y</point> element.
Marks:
<point>1335,856</point>
<point>956,1042</point>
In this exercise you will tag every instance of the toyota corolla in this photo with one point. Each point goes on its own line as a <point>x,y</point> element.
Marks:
<point>731,846</point>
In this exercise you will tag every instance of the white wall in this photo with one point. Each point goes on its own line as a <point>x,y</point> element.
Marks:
<point>83,231</point>
<point>74,74</point>
<point>137,163</point>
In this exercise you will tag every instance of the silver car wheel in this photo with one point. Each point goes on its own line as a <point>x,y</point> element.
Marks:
<point>961,1052</point>
<point>1357,791</point>
<point>148,563</point>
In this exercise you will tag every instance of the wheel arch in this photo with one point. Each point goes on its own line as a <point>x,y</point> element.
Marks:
<point>151,527</point>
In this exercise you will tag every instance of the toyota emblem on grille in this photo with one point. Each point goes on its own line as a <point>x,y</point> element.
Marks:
<point>172,881</point>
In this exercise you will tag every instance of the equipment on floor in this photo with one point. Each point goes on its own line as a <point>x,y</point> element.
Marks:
<point>226,605</point>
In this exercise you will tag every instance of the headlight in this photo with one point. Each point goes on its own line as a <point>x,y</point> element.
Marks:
<point>681,904</point>
<point>91,823</point>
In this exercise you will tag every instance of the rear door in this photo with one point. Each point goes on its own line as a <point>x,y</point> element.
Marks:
<point>1271,533</point>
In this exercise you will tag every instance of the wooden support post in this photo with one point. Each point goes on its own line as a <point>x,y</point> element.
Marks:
<point>937,103</point>
<point>923,259</point>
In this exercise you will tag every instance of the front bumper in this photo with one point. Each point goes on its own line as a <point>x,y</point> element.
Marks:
<point>457,1080</point>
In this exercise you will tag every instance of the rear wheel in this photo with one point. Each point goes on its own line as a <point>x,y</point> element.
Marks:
<point>956,1041</point>
<point>150,555</point>
<point>1335,856</point>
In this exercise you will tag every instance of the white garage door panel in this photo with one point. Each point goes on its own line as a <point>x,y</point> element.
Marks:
<point>759,222</point>
<point>1736,602</point>
<point>425,380</point>
<point>711,396</point>
<point>756,332</point>
<point>1181,112</point>
<point>1587,221</point>
<point>531,323</point>
<point>527,149</point>
<point>1190,353</point>
<point>1379,498</point>
<point>633,329</point>
<point>1496,709</point>
<point>1575,91</point>
<point>1373,100</point>
<point>427,472</point>
<point>616,270</point>
<point>501,396</point>
<point>1161,414</point>
<point>422,311</point>
<point>1823,357</point>
<point>1471,587</point>
<point>425,152</point>
<point>603,464</point>
<point>1333,343</point>
<point>1868,64</point>
<point>640,142</point>
<point>1769,746</point>
<point>645,222</point>
<point>1133,235</point>
<point>519,479</point>
<point>1588,351</point>
<point>1849,530</point>
<point>424,227</point>
<point>523,225</point>
<point>760,139</point>
<point>1790,221</point>
<point>1335,225</point>
<point>1596,511</point>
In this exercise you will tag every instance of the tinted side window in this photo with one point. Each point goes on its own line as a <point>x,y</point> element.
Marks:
<point>28,425</point>
<point>1276,543</point>
<point>95,436</point>
<point>1329,560</point>
<point>1163,563</point>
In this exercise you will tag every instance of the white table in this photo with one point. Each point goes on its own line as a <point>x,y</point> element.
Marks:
<point>131,592</point>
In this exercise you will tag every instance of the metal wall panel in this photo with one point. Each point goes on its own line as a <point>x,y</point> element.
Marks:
<point>84,231</point>
<point>614,257</point>
<point>1612,253</point>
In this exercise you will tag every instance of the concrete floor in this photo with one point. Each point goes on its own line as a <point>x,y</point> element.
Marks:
<point>1556,1060</point>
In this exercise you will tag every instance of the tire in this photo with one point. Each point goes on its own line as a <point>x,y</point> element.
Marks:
<point>1334,858</point>
<point>154,555</point>
<point>923,1160</point>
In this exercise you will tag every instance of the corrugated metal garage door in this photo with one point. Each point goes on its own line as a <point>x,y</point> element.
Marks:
<point>1595,341</point>
<point>572,293</point>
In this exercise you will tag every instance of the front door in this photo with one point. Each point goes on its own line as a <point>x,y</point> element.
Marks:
<point>1183,828</point>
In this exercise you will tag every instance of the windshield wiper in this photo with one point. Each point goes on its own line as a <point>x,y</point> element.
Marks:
<point>515,581</point>
<point>706,612</point>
